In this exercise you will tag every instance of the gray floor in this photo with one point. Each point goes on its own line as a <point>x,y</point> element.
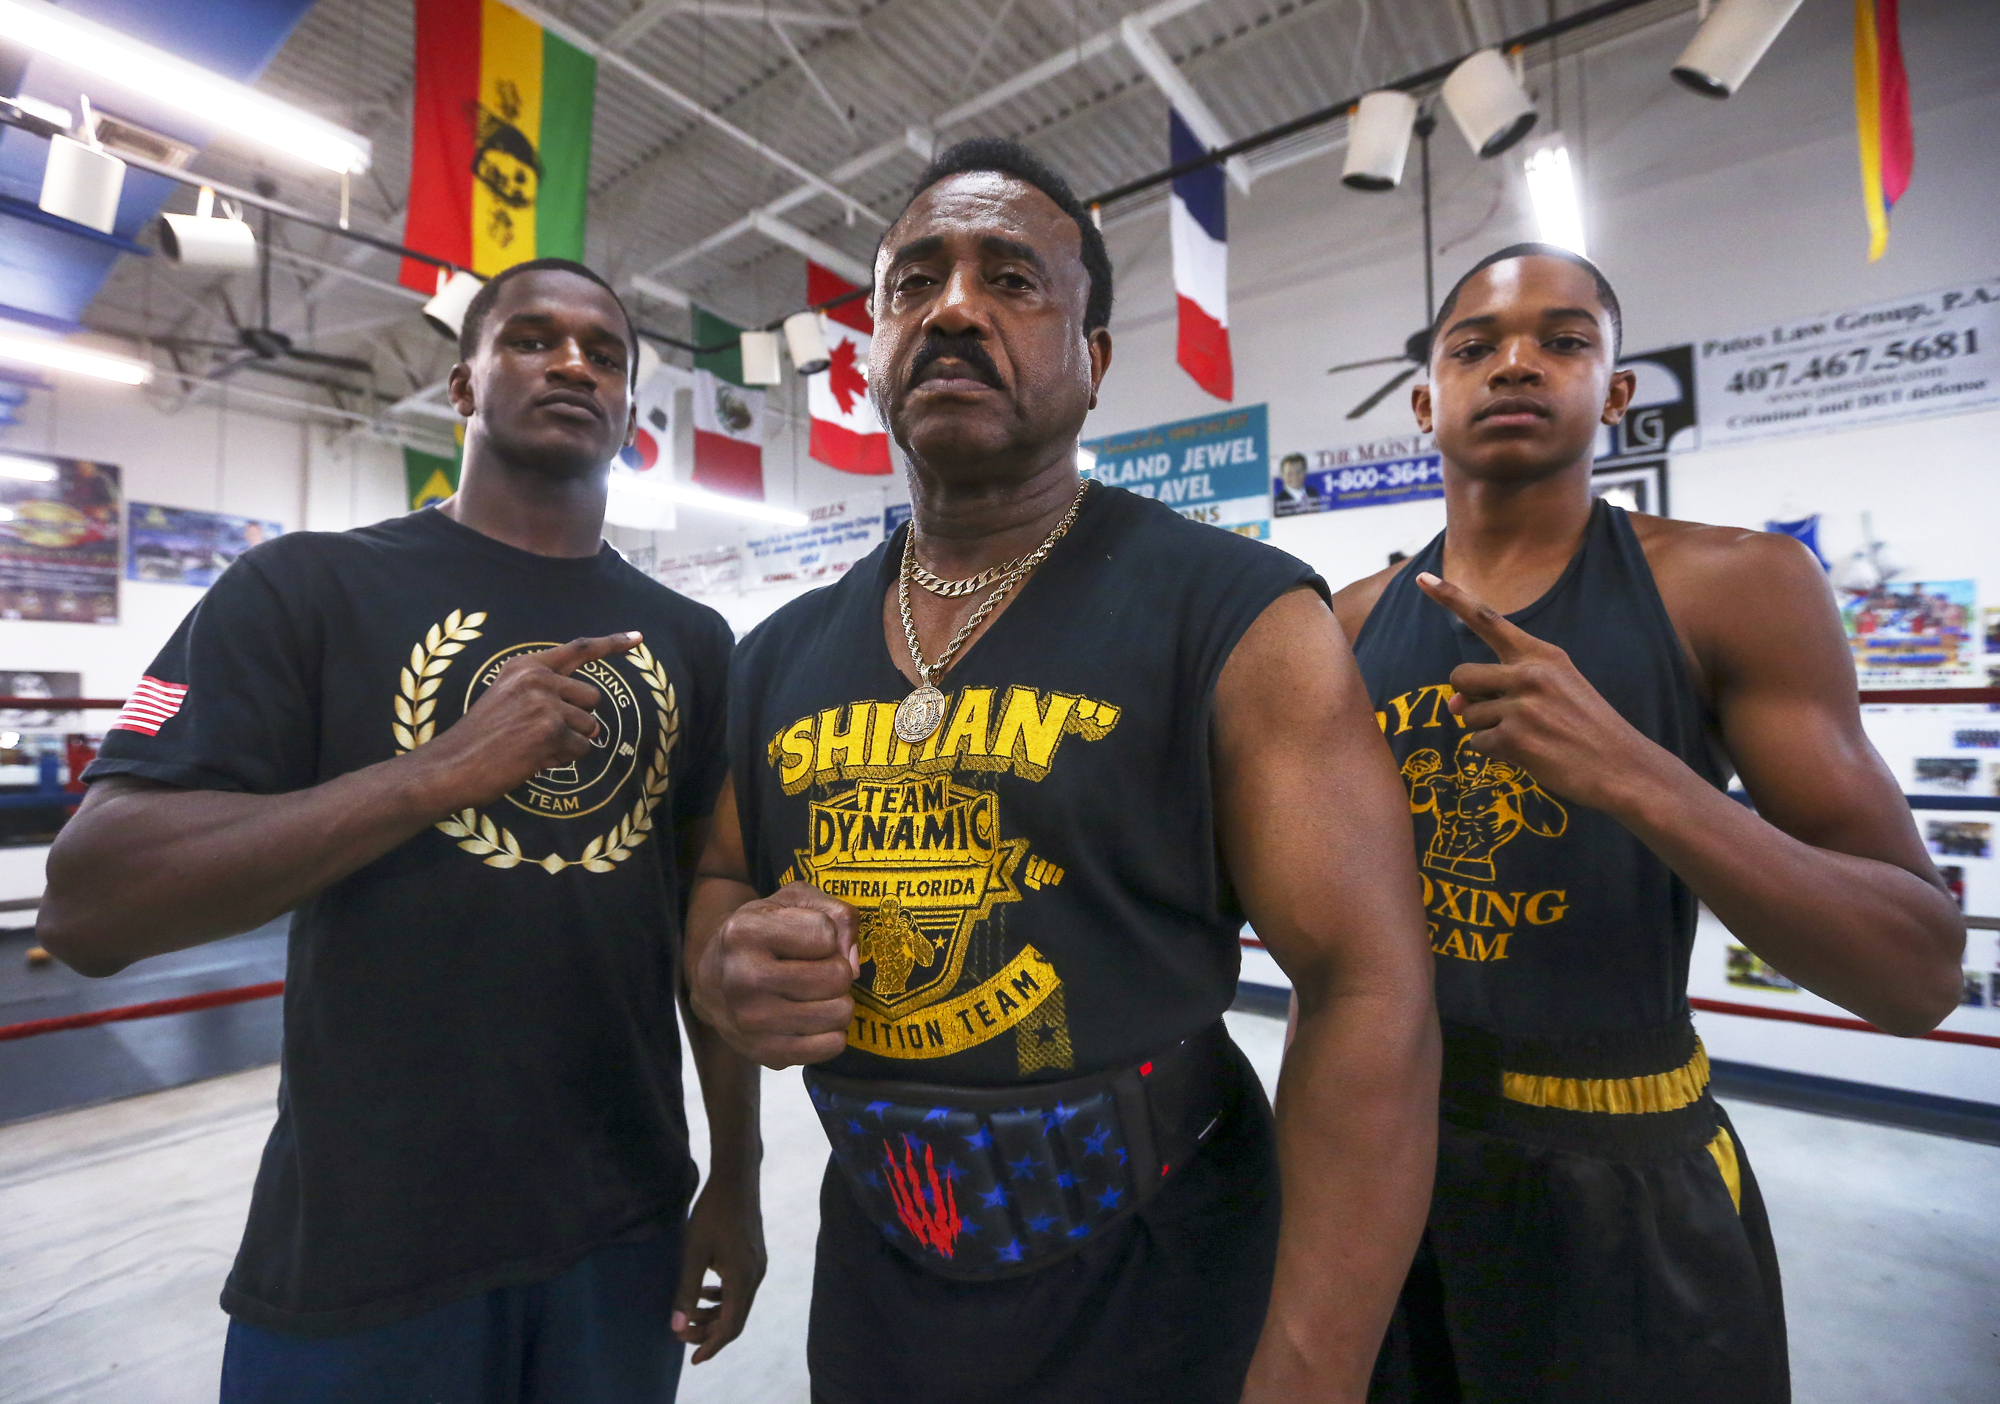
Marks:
<point>117,1223</point>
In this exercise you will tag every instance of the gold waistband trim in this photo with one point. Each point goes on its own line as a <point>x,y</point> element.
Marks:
<point>1656,1092</point>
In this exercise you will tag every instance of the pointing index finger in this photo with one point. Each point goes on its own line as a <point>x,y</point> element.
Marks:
<point>1509,642</point>
<point>567,658</point>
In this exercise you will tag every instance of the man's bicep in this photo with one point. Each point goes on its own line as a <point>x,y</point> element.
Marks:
<point>1791,722</point>
<point>1314,821</point>
<point>722,855</point>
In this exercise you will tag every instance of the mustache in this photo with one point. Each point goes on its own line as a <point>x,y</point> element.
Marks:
<point>938,347</point>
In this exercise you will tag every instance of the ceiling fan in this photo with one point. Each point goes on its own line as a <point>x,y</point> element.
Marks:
<point>263,343</point>
<point>1416,351</point>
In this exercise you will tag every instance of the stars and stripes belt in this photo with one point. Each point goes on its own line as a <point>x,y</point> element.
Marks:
<point>984,1183</point>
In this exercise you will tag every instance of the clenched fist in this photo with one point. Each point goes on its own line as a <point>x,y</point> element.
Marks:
<point>774,979</point>
<point>534,715</point>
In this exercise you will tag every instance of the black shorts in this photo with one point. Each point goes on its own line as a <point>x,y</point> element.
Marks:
<point>1167,1306</point>
<point>1583,1257</point>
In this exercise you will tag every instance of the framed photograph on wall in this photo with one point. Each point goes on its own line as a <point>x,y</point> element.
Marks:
<point>1639,486</point>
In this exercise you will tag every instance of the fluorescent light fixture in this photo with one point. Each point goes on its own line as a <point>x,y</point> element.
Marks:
<point>57,355</point>
<point>47,111</point>
<point>707,501</point>
<point>106,54</point>
<point>1378,140</point>
<point>1552,184</point>
<point>1488,103</point>
<point>28,470</point>
<point>1729,43</point>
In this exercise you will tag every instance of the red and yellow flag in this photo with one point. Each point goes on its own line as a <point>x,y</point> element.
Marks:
<point>500,160</point>
<point>1881,116</point>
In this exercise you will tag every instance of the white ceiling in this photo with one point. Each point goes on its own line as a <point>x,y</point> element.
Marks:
<point>707,114</point>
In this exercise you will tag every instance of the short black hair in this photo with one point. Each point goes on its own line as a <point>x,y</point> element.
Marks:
<point>1606,294</point>
<point>1008,157</point>
<point>483,300</point>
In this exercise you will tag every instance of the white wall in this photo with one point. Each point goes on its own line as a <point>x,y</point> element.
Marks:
<point>212,456</point>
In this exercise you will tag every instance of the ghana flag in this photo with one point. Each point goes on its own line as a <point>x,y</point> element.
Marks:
<point>501,149</point>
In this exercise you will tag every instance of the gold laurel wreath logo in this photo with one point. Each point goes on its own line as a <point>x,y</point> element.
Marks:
<point>478,834</point>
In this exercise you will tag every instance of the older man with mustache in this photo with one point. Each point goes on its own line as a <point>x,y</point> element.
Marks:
<point>1000,801</point>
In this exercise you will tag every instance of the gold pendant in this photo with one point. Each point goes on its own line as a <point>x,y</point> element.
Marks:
<point>918,715</point>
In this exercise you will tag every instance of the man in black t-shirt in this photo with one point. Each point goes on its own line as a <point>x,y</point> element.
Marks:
<point>477,1187</point>
<point>999,803</point>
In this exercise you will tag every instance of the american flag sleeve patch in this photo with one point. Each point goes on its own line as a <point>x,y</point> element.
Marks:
<point>151,706</point>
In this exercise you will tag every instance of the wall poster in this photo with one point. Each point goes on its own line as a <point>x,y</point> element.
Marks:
<point>1933,353</point>
<point>1637,485</point>
<point>178,546</point>
<point>718,571</point>
<point>1212,469</point>
<point>1403,468</point>
<point>59,539</point>
<point>834,537</point>
<point>1914,633</point>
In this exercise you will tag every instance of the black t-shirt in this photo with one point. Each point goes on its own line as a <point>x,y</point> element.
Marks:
<point>1040,890</point>
<point>481,1065</point>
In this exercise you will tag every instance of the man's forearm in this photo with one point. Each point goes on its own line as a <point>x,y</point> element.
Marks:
<point>1357,1147</point>
<point>147,869</point>
<point>1868,935</point>
<point>731,1094</point>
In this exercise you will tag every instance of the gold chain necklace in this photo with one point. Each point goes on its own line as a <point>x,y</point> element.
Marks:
<point>920,714</point>
<point>959,589</point>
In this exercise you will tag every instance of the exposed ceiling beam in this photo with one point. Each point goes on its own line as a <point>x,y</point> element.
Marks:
<point>653,11</point>
<point>660,87</point>
<point>825,96</point>
<point>818,250</point>
<point>1029,78</point>
<point>1194,110</point>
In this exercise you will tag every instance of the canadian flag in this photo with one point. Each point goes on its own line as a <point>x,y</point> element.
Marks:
<point>845,432</point>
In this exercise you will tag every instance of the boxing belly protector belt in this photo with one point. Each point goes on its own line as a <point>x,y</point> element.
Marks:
<point>983,1183</point>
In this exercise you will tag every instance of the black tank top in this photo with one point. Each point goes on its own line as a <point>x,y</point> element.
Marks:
<point>1548,919</point>
<point>1040,890</point>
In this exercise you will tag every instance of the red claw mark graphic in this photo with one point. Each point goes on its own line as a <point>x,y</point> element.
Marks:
<point>930,1212</point>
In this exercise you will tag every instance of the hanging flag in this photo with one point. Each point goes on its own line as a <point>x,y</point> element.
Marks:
<point>500,154</point>
<point>728,415</point>
<point>1881,116</point>
<point>1201,264</point>
<point>652,446</point>
<point>430,477</point>
<point>845,432</point>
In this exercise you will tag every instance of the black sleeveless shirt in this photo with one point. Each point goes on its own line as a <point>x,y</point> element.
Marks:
<point>1548,919</point>
<point>1039,884</point>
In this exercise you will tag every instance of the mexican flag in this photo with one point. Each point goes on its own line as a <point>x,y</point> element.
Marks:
<point>845,432</point>
<point>500,154</point>
<point>728,415</point>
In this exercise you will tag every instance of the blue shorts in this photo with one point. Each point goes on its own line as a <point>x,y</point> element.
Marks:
<point>600,1333</point>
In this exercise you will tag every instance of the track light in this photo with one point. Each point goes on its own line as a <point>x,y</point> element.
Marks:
<point>106,54</point>
<point>1552,186</point>
<point>1488,103</point>
<point>60,356</point>
<point>446,311</point>
<point>82,181</point>
<point>760,358</point>
<point>202,240</point>
<point>807,343</point>
<point>1378,139</point>
<point>1729,43</point>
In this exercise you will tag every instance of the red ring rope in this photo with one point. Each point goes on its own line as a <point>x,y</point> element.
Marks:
<point>187,1003</point>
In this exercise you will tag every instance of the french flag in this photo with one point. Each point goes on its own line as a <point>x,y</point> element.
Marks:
<point>1201,264</point>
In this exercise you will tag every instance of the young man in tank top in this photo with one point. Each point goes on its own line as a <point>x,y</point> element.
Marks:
<point>477,1188</point>
<point>1565,687</point>
<point>1005,795</point>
